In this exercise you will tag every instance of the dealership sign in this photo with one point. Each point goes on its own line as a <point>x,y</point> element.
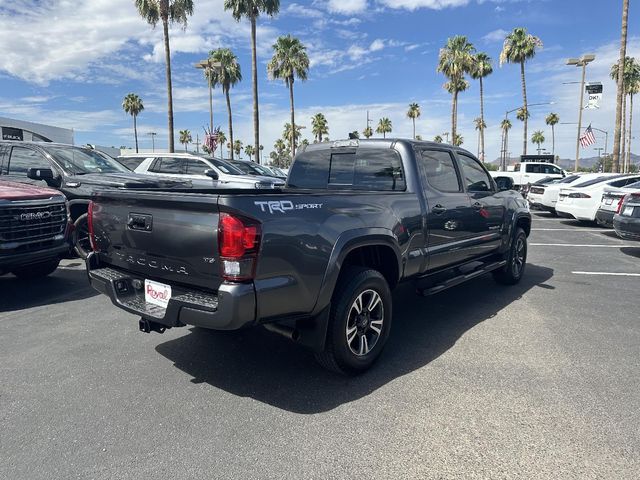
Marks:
<point>9,133</point>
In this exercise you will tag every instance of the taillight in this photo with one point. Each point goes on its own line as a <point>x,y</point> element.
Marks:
<point>579,195</point>
<point>620,202</point>
<point>238,244</point>
<point>92,237</point>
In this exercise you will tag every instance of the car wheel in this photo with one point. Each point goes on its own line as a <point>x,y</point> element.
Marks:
<point>512,272</point>
<point>359,322</point>
<point>37,270</point>
<point>81,242</point>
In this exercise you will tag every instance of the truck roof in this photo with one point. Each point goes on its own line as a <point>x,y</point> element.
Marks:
<point>381,143</point>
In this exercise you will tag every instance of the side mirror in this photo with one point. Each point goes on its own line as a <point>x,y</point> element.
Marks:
<point>504,183</point>
<point>211,174</point>
<point>40,174</point>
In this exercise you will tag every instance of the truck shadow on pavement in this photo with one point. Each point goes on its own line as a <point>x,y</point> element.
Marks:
<point>64,285</point>
<point>268,368</point>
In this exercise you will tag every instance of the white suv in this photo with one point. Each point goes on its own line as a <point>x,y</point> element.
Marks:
<point>188,166</point>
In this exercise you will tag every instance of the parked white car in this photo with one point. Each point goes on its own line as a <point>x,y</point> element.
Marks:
<point>545,197</point>
<point>582,201</point>
<point>188,166</point>
<point>612,201</point>
<point>530,172</point>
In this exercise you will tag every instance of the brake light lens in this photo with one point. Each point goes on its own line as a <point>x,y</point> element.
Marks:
<point>579,195</point>
<point>238,244</point>
<point>92,236</point>
<point>620,202</point>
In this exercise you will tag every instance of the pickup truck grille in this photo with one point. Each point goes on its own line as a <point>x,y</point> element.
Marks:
<point>27,228</point>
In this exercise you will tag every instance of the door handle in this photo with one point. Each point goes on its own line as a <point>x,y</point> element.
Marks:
<point>477,206</point>
<point>438,209</point>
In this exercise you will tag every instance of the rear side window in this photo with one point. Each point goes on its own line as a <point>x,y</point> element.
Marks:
<point>23,159</point>
<point>310,170</point>
<point>440,170</point>
<point>624,182</point>
<point>547,169</point>
<point>167,165</point>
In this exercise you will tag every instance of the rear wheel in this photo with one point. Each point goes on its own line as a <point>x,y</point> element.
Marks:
<point>37,270</point>
<point>82,244</point>
<point>359,322</point>
<point>512,272</point>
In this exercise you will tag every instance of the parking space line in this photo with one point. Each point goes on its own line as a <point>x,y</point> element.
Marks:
<point>568,230</point>
<point>614,274</point>
<point>580,245</point>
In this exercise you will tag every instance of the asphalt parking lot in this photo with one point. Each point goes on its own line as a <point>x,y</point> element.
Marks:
<point>541,380</point>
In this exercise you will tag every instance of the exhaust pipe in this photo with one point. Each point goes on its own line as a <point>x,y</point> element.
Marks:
<point>147,327</point>
<point>290,333</point>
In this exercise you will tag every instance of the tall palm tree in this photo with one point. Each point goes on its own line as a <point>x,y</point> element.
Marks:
<point>260,149</point>
<point>413,113</point>
<point>237,147</point>
<point>458,140</point>
<point>166,11</point>
<point>437,139</point>
<point>480,68</point>
<point>626,81</point>
<point>222,140</point>
<point>632,89</point>
<point>132,104</point>
<point>538,139</point>
<point>480,126</point>
<point>249,150</point>
<point>368,132</point>
<point>319,127</point>
<point>384,127</point>
<point>520,46</point>
<point>505,126</point>
<point>455,59</point>
<point>620,91</point>
<point>227,75</point>
<point>185,138</point>
<point>552,120</point>
<point>251,9</point>
<point>290,60</point>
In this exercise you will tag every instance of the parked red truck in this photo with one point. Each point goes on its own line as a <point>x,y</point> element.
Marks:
<point>35,230</point>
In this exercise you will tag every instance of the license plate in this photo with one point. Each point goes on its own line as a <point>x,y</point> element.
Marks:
<point>157,293</point>
<point>628,211</point>
<point>608,201</point>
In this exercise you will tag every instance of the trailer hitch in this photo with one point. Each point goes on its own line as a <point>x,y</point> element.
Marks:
<point>147,326</point>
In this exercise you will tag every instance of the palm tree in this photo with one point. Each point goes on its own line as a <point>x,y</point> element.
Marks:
<point>454,87</point>
<point>480,68</point>
<point>260,150</point>
<point>620,92</point>
<point>222,139</point>
<point>290,60</point>
<point>480,126</point>
<point>166,11</point>
<point>519,46</point>
<point>237,147</point>
<point>538,139</point>
<point>419,138</point>
<point>625,85</point>
<point>505,125</point>
<point>249,150</point>
<point>287,134</point>
<point>384,127</point>
<point>454,60</point>
<point>368,132</point>
<point>132,104</point>
<point>552,120</point>
<point>319,127</point>
<point>251,9</point>
<point>354,135</point>
<point>632,89</point>
<point>227,75</point>
<point>437,139</point>
<point>458,140</point>
<point>413,113</point>
<point>185,138</point>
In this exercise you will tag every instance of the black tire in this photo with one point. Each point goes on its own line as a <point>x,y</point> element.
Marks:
<point>512,272</point>
<point>364,287</point>
<point>81,242</point>
<point>37,270</point>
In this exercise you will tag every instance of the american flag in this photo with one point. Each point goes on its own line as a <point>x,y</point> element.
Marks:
<point>587,138</point>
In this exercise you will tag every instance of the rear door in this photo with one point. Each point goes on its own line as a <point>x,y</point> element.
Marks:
<point>449,215</point>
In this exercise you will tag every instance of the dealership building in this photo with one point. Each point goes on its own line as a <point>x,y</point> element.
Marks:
<point>12,129</point>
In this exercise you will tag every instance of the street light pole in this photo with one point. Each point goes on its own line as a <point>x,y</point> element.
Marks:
<point>580,62</point>
<point>153,140</point>
<point>505,144</point>
<point>207,66</point>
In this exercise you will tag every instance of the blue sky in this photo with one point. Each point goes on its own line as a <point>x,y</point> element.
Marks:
<point>70,63</point>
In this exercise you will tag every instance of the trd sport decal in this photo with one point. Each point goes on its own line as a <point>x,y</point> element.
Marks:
<point>284,206</point>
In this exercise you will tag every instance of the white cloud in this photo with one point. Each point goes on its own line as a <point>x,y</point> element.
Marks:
<point>415,4</point>
<point>376,45</point>
<point>495,36</point>
<point>347,6</point>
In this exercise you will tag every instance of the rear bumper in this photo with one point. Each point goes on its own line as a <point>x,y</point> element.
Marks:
<point>13,261</point>
<point>232,307</point>
<point>627,227</point>
<point>605,217</point>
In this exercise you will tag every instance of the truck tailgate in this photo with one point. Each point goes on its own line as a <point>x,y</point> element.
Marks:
<point>160,235</point>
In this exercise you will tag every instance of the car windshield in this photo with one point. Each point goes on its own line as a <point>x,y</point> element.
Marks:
<point>246,168</point>
<point>225,167</point>
<point>81,161</point>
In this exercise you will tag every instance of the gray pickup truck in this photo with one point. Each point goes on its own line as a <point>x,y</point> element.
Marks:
<point>317,260</point>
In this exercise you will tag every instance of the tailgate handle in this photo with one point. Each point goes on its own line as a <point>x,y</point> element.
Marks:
<point>139,221</point>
